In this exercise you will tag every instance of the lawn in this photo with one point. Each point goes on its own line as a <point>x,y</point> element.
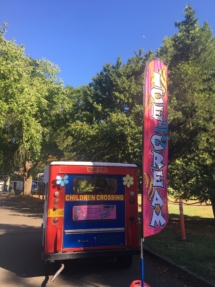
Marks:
<point>191,208</point>
<point>198,252</point>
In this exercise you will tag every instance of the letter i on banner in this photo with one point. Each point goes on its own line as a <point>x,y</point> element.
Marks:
<point>155,148</point>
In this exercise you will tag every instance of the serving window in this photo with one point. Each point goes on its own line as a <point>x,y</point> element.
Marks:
<point>106,185</point>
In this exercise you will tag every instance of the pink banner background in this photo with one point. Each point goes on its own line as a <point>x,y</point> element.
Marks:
<point>155,148</point>
<point>93,212</point>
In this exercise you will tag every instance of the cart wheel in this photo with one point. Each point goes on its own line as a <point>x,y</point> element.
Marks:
<point>125,261</point>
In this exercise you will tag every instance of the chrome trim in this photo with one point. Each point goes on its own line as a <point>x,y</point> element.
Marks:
<point>93,230</point>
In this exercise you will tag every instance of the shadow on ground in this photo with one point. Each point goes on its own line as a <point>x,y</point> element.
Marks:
<point>25,205</point>
<point>21,264</point>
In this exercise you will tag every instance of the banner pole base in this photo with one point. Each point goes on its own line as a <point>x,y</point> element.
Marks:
<point>141,283</point>
<point>138,283</point>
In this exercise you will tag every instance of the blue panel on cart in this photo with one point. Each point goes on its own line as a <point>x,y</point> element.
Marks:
<point>94,239</point>
<point>84,215</point>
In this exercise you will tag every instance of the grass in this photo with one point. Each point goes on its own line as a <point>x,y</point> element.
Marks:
<point>198,254</point>
<point>190,208</point>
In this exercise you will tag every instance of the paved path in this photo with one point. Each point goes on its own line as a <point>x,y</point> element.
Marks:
<point>20,249</point>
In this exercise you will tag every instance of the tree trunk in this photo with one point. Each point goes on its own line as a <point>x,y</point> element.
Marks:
<point>213,205</point>
<point>27,179</point>
<point>27,185</point>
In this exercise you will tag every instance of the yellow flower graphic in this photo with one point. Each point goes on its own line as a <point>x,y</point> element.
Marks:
<point>128,180</point>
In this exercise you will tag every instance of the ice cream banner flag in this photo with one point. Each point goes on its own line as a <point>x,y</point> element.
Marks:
<point>155,147</point>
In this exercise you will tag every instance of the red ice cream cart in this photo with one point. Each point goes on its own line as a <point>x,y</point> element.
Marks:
<point>90,210</point>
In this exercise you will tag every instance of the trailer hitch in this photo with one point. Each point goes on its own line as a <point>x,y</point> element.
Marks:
<point>58,272</point>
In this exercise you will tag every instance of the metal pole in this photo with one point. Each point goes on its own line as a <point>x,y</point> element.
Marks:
<point>58,272</point>
<point>142,263</point>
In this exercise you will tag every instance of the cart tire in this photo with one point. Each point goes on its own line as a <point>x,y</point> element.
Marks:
<point>125,261</point>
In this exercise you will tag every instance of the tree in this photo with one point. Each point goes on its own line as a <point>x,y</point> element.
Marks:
<point>108,122</point>
<point>30,96</point>
<point>191,57</point>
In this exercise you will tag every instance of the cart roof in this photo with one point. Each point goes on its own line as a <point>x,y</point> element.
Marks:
<point>92,163</point>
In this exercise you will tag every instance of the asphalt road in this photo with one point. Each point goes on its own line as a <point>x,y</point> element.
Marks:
<point>20,250</point>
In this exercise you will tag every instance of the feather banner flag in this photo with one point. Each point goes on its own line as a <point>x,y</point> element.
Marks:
<point>155,148</point>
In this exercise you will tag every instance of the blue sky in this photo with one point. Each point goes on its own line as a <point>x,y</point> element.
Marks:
<point>80,36</point>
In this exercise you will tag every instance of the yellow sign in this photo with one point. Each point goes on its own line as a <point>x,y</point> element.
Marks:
<point>93,197</point>
<point>55,213</point>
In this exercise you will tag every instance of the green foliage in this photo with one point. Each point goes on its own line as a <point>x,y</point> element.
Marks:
<point>191,58</point>
<point>30,95</point>
<point>40,120</point>
<point>106,121</point>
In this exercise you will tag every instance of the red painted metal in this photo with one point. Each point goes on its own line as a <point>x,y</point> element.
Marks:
<point>138,283</point>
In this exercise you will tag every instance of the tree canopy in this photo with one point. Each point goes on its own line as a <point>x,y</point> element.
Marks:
<point>190,55</point>
<point>30,95</point>
<point>41,120</point>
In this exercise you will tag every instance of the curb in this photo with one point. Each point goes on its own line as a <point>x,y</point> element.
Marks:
<point>183,271</point>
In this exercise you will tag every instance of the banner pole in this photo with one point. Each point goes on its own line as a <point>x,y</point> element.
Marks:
<point>142,263</point>
<point>142,201</point>
<point>154,151</point>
